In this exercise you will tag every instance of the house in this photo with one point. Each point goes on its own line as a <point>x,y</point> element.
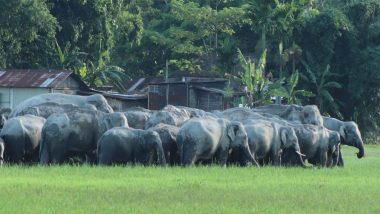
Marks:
<point>195,92</point>
<point>17,85</point>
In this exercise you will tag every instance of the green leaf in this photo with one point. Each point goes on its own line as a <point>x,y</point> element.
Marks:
<point>304,93</point>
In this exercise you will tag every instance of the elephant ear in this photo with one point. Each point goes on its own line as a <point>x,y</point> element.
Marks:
<point>231,131</point>
<point>342,132</point>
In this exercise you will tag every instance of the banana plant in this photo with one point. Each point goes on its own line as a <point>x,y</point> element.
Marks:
<point>293,95</point>
<point>259,89</point>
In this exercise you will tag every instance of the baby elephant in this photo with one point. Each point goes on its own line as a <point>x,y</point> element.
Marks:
<point>124,145</point>
<point>168,134</point>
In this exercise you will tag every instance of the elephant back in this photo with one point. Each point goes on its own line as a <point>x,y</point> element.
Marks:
<point>43,102</point>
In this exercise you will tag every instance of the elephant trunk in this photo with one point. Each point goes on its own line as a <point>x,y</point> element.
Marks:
<point>250,157</point>
<point>360,146</point>
<point>161,154</point>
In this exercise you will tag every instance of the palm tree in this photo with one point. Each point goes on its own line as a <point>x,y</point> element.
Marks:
<point>100,73</point>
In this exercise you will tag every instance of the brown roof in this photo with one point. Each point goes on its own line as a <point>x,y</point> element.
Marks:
<point>26,78</point>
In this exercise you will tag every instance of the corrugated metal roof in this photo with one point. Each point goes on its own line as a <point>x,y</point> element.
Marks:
<point>27,78</point>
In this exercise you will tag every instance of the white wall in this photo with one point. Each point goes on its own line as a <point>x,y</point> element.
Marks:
<point>10,97</point>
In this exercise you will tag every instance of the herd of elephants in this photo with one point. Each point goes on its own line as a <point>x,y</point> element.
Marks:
<point>58,128</point>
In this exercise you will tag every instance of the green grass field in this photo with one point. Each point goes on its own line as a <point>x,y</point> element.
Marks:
<point>67,189</point>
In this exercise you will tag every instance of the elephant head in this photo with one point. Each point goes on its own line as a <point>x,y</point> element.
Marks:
<point>100,103</point>
<point>289,143</point>
<point>239,140</point>
<point>350,135</point>
<point>289,139</point>
<point>289,156</point>
<point>150,141</point>
<point>116,119</point>
<point>311,115</point>
<point>305,114</point>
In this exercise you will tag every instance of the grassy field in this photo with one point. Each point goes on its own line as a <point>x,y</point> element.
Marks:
<point>66,189</point>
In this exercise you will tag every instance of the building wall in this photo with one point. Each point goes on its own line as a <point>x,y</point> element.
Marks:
<point>69,83</point>
<point>10,97</point>
<point>65,91</point>
<point>163,94</point>
<point>122,105</point>
<point>209,101</point>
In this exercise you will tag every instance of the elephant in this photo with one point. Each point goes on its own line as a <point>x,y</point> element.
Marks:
<point>317,143</point>
<point>137,117</point>
<point>207,138</point>
<point>22,137</point>
<point>194,112</point>
<point>4,114</point>
<point>76,132</point>
<point>168,135</point>
<point>1,151</point>
<point>170,115</point>
<point>308,114</point>
<point>122,145</point>
<point>97,100</point>
<point>46,109</point>
<point>267,139</point>
<point>239,114</point>
<point>350,135</point>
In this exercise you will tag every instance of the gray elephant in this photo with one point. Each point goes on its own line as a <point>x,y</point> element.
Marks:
<point>137,117</point>
<point>267,139</point>
<point>169,115</point>
<point>350,135</point>
<point>1,151</point>
<point>168,135</point>
<point>96,100</point>
<point>46,109</point>
<point>21,137</point>
<point>317,143</point>
<point>207,138</point>
<point>239,114</point>
<point>76,132</point>
<point>123,145</point>
<point>308,114</point>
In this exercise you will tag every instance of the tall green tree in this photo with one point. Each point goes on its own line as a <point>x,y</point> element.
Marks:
<point>27,34</point>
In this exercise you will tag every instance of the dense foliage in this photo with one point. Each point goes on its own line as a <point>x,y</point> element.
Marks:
<point>332,48</point>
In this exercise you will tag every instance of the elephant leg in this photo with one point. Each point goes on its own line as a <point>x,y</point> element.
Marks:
<point>340,158</point>
<point>329,162</point>
<point>188,156</point>
<point>322,158</point>
<point>275,158</point>
<point>223,157</point>
<point>91,157</point>
<point>57,154</point>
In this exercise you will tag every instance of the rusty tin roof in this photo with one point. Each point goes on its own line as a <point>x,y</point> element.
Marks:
<point>30,78</point>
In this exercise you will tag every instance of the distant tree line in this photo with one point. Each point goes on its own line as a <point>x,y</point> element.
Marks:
<point>332,48</point>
